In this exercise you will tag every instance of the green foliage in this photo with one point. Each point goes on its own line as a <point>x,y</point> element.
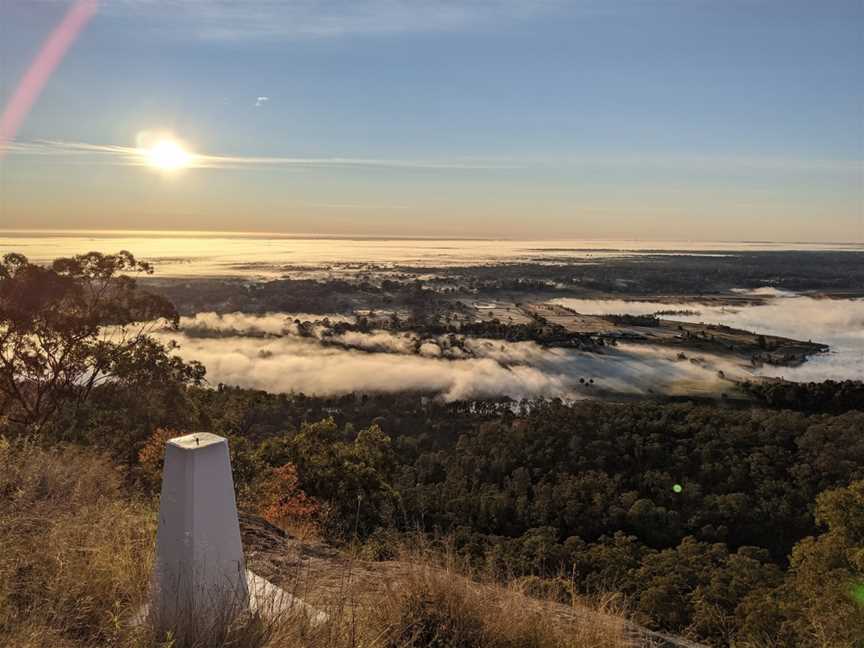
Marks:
<point>827,396</point>
<point>350,472</point>
<point>698,586</point>
<point>819,603</point>
<point>582,492</point>
<point>707,518</point>
<point>69,328</point>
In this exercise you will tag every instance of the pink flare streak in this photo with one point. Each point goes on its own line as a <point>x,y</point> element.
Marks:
<point>42,68</point>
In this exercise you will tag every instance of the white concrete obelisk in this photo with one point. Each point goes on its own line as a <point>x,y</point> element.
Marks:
<point>199,574</point>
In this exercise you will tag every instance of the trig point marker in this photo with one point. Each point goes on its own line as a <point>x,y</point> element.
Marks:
<point>200,582</point>
<point>199,573</point>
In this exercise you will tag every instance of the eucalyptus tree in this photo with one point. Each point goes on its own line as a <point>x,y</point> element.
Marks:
<point>68,327</point>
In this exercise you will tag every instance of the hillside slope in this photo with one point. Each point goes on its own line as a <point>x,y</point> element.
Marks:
<point>329,578</point>
<point>76,551</point>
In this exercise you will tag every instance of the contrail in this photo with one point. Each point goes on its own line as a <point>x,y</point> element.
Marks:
<point>42,68</point>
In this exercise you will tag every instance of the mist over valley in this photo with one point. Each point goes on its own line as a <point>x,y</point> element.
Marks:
<point>464,320</point>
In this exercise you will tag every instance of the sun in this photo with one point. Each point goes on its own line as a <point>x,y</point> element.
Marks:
<point>168,155</point>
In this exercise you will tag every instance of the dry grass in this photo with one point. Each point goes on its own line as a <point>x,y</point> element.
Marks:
<point>76,553</point>
<point>436,607</point>
<point>440,607</point>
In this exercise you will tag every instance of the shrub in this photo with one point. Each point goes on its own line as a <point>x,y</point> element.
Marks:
<point>285,503</point>
<point>151,457</point>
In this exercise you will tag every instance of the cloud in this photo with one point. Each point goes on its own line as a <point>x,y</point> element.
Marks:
<point>127,155</point>
<point>261,20</point>
<point>251,324</point>
<point>260,101</point>
<point>271,352</point>
<point>708,163</point>
<point>786,315</point>
<point>836,322</point>
<point>290,364</point>
<point>133,156</point>
<point>268,352</point>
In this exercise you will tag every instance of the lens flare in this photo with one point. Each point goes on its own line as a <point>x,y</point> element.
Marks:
<point>857,592</point>
<point>46,61</point>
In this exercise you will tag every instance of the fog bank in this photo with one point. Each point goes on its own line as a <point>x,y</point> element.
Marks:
<point>284,360</point>
<point>296,352</point>
<point>838,323</point>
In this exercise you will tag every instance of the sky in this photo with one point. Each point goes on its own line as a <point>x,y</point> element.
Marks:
<point>707,120</point>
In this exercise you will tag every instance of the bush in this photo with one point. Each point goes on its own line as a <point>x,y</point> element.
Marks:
<point>287,506</point>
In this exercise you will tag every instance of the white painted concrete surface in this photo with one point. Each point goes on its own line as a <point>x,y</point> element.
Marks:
<point>199,576</point>
<point>199,573</point>
<point>271,601</point>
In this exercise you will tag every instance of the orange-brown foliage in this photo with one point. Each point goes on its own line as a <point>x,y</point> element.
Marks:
<point>285,503</point>
<point>151,457</point>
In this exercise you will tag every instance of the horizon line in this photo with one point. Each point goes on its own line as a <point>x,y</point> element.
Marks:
<point>192,233</point>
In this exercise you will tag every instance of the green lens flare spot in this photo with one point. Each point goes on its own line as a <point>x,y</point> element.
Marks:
<point>677,488</point>
<point>858,593</point>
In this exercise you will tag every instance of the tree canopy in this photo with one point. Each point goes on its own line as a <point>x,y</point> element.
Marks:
<point>71,326</point>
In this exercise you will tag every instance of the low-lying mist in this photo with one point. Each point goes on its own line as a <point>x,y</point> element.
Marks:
<point>275,353</point>
<point>297,352</point>
<point>838,323</point>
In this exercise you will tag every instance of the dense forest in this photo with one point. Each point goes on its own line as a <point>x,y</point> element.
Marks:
<point>827,396</point>
<point>701,514</point>
<point>730,524</point>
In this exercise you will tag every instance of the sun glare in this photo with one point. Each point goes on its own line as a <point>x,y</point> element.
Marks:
<point>168,155</point>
